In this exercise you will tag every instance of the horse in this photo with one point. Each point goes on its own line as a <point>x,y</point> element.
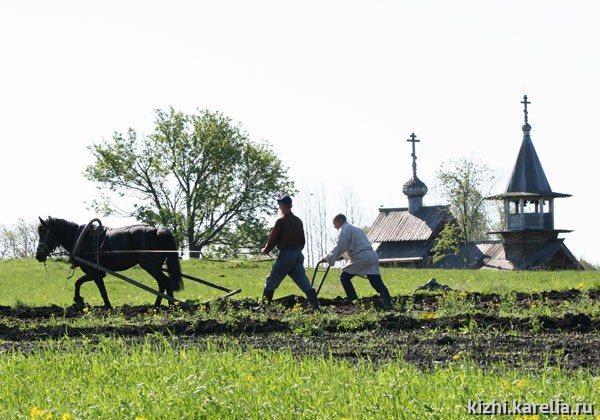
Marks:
<point>116,249</point>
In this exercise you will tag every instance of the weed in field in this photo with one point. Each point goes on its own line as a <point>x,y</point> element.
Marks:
<point>536,326</point>
<point>455,303</point>
<point>508,304</point>
<point>408,305</point>
<point>310,329</point>
<point>368,319</point>
<point>470,327</point>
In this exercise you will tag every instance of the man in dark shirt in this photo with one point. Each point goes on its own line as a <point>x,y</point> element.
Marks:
<point>288,236</point>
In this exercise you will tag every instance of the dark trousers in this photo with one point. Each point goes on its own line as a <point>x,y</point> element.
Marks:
<point>374,279</point>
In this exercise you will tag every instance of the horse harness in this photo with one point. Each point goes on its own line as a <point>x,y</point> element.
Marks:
<point>87,233</point>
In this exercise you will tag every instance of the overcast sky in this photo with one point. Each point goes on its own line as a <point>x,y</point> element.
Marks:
<point>336,87</point>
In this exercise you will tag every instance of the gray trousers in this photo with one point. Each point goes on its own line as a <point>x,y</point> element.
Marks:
<point>290,262</point>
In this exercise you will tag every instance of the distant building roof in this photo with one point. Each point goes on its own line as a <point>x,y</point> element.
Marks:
<point>491,254</point>
<point>399,225</point>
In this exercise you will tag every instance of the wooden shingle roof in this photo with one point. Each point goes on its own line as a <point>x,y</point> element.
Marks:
<point>399,225</point>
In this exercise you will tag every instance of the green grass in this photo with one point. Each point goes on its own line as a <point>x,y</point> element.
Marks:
<point>162,377</point>
<point>159,379</point>
<point>29,283</point>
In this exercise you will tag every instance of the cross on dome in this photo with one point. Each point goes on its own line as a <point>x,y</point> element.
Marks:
<point>525,102</point>
<point>413,140</point>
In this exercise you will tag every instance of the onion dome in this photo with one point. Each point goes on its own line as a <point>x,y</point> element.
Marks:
<point>414,187</point>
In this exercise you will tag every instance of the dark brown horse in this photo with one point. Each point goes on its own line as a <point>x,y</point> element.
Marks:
<point>116,249</point>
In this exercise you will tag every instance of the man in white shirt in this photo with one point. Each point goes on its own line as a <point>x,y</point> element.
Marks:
<point>362,260</point>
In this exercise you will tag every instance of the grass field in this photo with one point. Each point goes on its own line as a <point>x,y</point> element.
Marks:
<point>29,283</point>
<point>158,380</point>
<point>161,374</point>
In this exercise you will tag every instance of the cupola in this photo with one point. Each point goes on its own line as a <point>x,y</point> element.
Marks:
<point>414,188</point>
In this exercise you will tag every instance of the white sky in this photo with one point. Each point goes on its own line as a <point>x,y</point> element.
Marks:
<point>336,87</point>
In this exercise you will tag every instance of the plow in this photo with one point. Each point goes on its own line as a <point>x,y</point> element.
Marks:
<point>170,299</point>
<point>319,270</point>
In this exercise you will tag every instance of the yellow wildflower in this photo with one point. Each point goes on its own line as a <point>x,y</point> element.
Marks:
<point>296,308</point>
<point>429,316</point>
<point>519,383</point>
<point>37,414</point>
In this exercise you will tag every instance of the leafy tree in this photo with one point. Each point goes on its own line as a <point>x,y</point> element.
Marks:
<point>198,174</point>
<point>448,243</point>
<point>466,184</point>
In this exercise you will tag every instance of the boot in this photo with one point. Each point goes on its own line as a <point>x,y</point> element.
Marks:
<point>313,302</point>
<point>267,297</point>
<point>386,299</point>
<point>377,284</point>
<point>349,289</point>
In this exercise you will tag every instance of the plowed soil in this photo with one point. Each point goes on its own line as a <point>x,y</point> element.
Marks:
<point>571,341</point>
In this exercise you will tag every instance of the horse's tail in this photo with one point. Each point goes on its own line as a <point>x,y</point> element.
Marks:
<point>173,265</point>
<point>174,269</point>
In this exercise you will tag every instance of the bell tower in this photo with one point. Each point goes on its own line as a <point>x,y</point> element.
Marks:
<point>528,203</point>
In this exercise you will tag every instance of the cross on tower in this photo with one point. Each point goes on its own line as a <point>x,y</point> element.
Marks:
<point>525,102</point>
<point>413,140</point>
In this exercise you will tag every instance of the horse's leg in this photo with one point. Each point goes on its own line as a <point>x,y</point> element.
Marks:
<point>100,283</point>
<point>158,300</point>
<point>154,269</point>
<point>79,302</point>
<point>161,289</point>
<point>161,280</point>
<point>165,286</point>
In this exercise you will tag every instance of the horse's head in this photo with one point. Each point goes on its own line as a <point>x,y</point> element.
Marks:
<point>47,242</point>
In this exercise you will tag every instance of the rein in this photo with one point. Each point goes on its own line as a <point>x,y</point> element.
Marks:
<point>80,238</point>
<point>46,248</point>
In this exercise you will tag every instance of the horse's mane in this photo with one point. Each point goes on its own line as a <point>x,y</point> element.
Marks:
<point>63,229</point>
<point>61,223</point>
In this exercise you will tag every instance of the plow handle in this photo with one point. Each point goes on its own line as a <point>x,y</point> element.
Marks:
<point>312,283</point>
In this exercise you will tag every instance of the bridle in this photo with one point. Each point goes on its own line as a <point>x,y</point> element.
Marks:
<point>43,247</point>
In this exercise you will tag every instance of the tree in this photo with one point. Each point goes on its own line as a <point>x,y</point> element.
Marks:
<point>448,243</point>
<point>19,240</point>
<point>199,175</point>
<point>351,206</point>
<point>318,213</point>
<point>313,204</point>
<point>466,184</point>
